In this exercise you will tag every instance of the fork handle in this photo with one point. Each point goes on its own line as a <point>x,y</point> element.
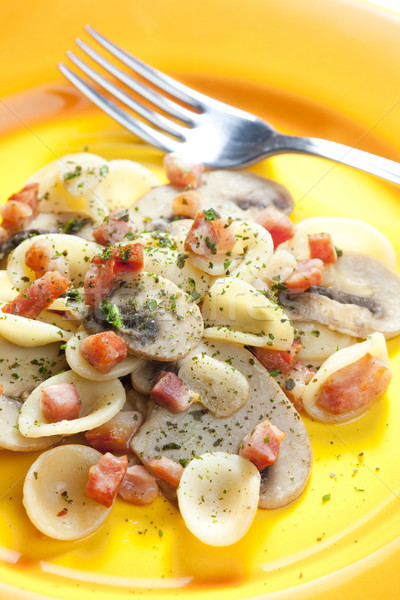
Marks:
<point>339,153</point>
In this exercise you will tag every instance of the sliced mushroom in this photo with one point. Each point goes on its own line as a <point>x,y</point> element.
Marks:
<point>182,436</point>
<point>156,319</point>
<point>363,297</point>
<point>239,194</point>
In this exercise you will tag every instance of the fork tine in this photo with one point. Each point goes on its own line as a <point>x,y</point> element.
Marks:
<point>162,102</point>
<point>145,132</point>
<point>150,115</point>
<point>161,80</point>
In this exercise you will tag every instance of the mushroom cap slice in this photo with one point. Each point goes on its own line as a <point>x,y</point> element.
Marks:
<point>363,296</point>
<point>196,431</point>
<point>239,194</point>
<point>158,320</point>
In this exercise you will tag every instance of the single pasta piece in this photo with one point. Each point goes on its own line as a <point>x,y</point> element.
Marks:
<point>187,204</point>
<point>166,469</point>
<point>104,350</point>
<point>182,173</point>
<point>38,295</point>
<point>171,392</point>
<point>115,434</point>
<point>105,478</point>
<point>60,401</point>
<point>261,446</point>
<point>138,486</point>
<point>321,246</point>
<point>277,223</point>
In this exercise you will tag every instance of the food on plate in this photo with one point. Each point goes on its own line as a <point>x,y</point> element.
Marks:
<point>190,331</point>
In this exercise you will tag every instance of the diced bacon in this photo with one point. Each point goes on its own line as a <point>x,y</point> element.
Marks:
<point>60,401</point>
<point>105,478</point>
<point>261,446</point>
<point>321,246</point>
<point>277,223</point>
<point>38,295</point>
<point>181,173</point>
<point>128,258</point>
<point>295,382</point>
<point>28,195</point>
<point>99,280</point>
<point>358,384</point>
<point>138,486</point>
<point>39,258</point>
<point>283,360</point>
<point>187,204</point>
<point>15,215</point>
<point>308,272</point>
<point>171,392</point>
<point>210,235</point>
<point>115,435</point>
<point>104,350</point>
<point>114,228</point>
<point>166,469</point>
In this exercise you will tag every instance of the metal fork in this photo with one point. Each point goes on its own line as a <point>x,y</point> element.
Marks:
<point>204,129</point>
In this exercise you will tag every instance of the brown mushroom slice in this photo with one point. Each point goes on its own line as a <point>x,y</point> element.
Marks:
<point>239,194</point>
<point>156,319</point>
<point>182,436</point>
<point>363,297</point>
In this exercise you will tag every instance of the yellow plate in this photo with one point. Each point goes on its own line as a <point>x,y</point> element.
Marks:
<point>328,69</point>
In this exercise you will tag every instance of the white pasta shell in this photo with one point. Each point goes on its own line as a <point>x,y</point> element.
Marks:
<point>319,342</point>
<point>126,181</point>
<point>375,345</point>
<point>100,402</point>
<point>29,332</point>
<point>80,365</point>
<point>223,389</point>
<point>281,265</point>
<point>10,437</point>
<point>54,496</point>
<point>260,251</point>
<point>22,367</point>
<point>234,310</point>
<point>218,497</point>
<point>352,235</point>
<point>77,251</point>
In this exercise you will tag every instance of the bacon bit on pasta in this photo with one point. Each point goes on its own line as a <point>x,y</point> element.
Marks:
<point>115,435</point>
<point>99,280</point>
<point>138,486</point>
<point>277,223</point>
<point>210,235</point>
<point>166,469</point>
<point>104,350</point>
<point>39,258</point>
<point>114,228</point>
<point>358,384</point>
<point>1,389</point>
<point>261,446</point>
<point>295,383</point>
<point>105,478</point>
<point>283,360</point>
<point>128,258</point>
<point>60,401</point>
<point>20,208</point>
<point>321,246</point>
<point>308,272</point>
<point>28,195</point>
<point>182,173</point>
<point>187,204</point>
<point>38,295</point>
<point>171,392</point>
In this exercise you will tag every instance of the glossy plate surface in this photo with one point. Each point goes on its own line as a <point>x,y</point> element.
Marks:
<point>327,69</point>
